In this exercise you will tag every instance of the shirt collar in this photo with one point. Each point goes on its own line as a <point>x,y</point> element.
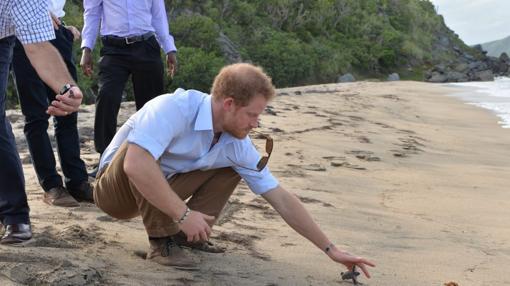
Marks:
<point>204,117</point>
<point>204,120</point>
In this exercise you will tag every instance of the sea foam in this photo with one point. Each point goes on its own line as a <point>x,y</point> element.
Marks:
<point>492,95</point>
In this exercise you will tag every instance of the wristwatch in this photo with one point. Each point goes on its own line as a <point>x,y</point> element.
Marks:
<point>64,89</point>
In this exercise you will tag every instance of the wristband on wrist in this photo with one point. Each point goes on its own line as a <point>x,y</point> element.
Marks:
<point>328,247</point>
<point>184,215</point>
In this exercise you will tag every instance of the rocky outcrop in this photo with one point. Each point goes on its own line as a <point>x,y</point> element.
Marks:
<point>469,67</point>
<point>229,49</point>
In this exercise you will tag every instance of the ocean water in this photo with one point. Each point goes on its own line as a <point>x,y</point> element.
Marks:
<point>492,95</point>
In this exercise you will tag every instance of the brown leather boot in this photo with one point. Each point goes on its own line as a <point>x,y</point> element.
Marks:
<point>166,252</point>
<point>59,197</point>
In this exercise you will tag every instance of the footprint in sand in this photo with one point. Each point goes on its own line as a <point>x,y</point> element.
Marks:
<point>410,144</point>
<point>276,130</point>
<point>308,200</point>
<point>270,110</point>
<point>340,161</point>
<point>247,241</point>
<point>364,155</point>
<point>364,139</point>
<point>73,236</point>
<point>309,167</point>
<point>347,165</point>
<point>391,96</point>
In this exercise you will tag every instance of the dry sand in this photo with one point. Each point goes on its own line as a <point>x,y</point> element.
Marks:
<point>398,172</point>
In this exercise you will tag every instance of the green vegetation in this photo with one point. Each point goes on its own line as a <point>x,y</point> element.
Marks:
<point>299,41</point>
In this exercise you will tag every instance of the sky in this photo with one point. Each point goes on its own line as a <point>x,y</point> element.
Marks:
<point>476,21</point>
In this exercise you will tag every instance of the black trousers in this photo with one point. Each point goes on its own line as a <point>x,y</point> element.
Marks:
<point>141,60</point>
<point>13,199</point>
<point>35,96</point>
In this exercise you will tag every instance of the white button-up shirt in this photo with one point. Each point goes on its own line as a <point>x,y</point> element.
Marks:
<point>124,19</point>
<point>177,130</point>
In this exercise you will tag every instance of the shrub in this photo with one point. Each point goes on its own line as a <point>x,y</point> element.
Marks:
<point>196,69</point>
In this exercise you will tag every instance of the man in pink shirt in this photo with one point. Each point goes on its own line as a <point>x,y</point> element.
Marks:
<point>132,33</point>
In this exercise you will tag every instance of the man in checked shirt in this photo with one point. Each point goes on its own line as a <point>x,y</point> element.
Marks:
<point>30,22</point>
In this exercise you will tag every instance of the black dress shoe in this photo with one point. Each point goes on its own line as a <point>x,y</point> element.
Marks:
<point>16,233</point>
<point>83,193</point>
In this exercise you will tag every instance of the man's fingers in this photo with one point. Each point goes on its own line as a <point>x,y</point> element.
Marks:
<point>204,236</point>
<point>86,69</point>
<point>56,112</point>
<point>369,263</point>
<point>209,218</point>
<point>63,107</point>
<point>363,265</point>
<point>364,269</point>
<point>74,31</point>
<point>208,230</point>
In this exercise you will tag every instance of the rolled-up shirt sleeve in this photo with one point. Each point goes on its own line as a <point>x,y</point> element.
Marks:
<point>160,24</point>
<point>247,157</point>
<point>32,22</point>
<point>154,132</point>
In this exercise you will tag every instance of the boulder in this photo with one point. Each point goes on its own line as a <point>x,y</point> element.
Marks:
<point>480,49</point>
<point>346,78</point>
<point>393,77</point>
<point>454,76</point>
<point>437,77</point>
<point>504,58</point>
<point>485,75</point>
<point>462,68</point>
<point>468,57</point>
<point>477,66</point>
<point>439,68</point>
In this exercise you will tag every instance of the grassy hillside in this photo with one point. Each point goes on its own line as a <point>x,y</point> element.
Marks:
<point>300,42</point>
<point>496,48</point>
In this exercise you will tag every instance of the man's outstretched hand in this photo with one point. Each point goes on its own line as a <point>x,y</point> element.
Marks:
<point>349,260</point>
<point>67,103</point>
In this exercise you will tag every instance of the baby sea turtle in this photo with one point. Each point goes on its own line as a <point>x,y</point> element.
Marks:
<point>351,274</point>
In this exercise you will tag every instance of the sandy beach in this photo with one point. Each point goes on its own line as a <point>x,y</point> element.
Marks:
<point>397,172</point>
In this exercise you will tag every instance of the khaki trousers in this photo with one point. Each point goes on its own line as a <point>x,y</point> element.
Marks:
<point>208,192</point>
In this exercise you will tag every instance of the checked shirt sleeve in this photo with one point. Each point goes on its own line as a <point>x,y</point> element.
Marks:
<point>32,21</point>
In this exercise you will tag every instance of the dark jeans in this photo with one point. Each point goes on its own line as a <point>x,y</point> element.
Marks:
<point>35,96</point>
<point>13,199</point>
<point>141,60</point>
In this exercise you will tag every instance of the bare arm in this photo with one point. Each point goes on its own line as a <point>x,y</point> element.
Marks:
<point>52,70</point>
<point>295,215</point>
<point>144,172</point>
<point>49,64</point>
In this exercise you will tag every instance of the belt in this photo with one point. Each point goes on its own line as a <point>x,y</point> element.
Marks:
<point>124,41</point>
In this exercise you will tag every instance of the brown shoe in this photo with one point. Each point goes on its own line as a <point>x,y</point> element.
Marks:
<point>59,197</point>
<point>166,252</point>
<point>205,246</point>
